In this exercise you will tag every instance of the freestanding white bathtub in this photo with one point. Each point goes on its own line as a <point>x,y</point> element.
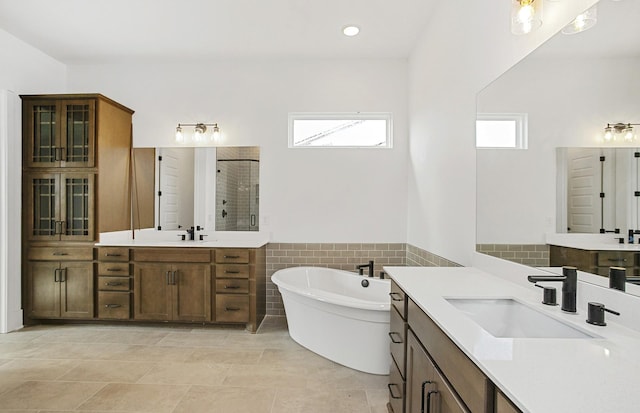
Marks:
<point>332,314</point>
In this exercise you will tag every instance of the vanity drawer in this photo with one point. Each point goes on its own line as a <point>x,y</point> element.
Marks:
<point>232,255</point>
<point>232,286</point>
<point>232,308</point>
<point>60,253</point>
<point>113,305</point>
<point>616,259</point>
<point>113,254</point>
<point>398,340</point>
<point>184,254</point>
<point>474,388</point>
<point>113,268</point>
<point>396,388</point>
<point>232,271</point>
<point>114,283</point>
<point>504,405</point>
<point>398,300</point>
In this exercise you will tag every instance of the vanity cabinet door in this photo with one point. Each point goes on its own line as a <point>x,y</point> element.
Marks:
<point>191,299</point>
<point>152,292</point>
<point>427,390</point>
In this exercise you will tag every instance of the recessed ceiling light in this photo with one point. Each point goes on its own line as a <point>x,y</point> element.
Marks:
<point>351,31</point>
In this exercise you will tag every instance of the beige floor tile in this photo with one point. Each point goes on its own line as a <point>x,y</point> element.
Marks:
<point>194,339</point>
<point>66,335</point>
<point>261,341</point>
<point>108,371</point>
<point>30,369</point>
<point>336,377</point>
<point>12,350</point>
<point>300,357</point>
<point>124,336</point>
<point>319,401</point>
<point>20,336</point>
<point>8,384</point>
<point>155,354</point>
<point>79,351</point>
<point>225,355</point>
<point>378,400</point>
<point>136,398</point>
<point>266,376</point>
<point>201,399</point>
<point>206,374</point>
<point>48,395</point>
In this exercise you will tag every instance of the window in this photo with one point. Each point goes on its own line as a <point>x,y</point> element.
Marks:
<point>340,130</point>
<point>501,130</point>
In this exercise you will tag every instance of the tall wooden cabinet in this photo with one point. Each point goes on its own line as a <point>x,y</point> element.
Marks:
<point>76,174</point>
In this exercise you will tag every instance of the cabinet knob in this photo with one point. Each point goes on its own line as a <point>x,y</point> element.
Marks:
<point>112,305</point>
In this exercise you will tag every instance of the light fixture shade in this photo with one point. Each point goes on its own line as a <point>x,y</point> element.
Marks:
<point>216,133</point>
<point>582,22</point>
<point>526,16</point>
<point>608,133</point>
<point>179,135</point>
<point>628,133</point>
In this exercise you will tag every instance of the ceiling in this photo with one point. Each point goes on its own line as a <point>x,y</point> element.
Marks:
<point>111,31</point>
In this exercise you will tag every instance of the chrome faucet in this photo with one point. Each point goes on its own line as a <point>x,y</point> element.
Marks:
<point>192,233</point>
<point>363,266</point>
<point>569,280</point>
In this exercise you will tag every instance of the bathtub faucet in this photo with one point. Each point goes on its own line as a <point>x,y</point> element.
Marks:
<point>363,266</point>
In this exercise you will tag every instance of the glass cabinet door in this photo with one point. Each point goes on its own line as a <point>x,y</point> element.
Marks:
<point>61,206</point>
<point>59,133</point>
<point>42,134</point>
<point>77,206</point>
<point>78,132</point>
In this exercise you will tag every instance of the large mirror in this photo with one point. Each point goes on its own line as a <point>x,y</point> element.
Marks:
<point>207,188</point>
<point>570,88</point>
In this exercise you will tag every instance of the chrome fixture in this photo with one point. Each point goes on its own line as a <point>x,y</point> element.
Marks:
<point>526,16</point>
<point>199,133</point>
<point>625,130</point>
<point>569,280</point>
<point>582,22</point>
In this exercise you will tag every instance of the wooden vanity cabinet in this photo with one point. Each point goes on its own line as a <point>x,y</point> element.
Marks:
<point>172,284</point>
<point>113,283</point>
<point>60,282</point>
<point>438,376</point>
<point>398,348</point>
<point>76,175</point>
<point>595,261</point>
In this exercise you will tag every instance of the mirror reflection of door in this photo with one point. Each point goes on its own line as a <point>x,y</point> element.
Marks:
<point>237,189</point>
<point>583,190</point>
<point>176,166</point>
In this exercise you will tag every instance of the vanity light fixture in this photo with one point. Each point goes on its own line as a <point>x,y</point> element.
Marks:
<point>583,22</point>
<point>199,132</point>
<point>526,16</point>
<point>612,131</point>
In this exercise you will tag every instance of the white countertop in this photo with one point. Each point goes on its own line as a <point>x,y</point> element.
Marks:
<point>153,238</point>
<point>184,244</point>
<point>538,375</point>
<point>592,242</point>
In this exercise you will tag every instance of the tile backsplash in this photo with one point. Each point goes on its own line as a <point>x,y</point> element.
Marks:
<point>342,256</point>
<point>536,255</point>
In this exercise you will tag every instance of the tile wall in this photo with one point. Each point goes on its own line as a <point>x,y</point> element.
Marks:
<point>340,256</point>
<point>536,255</point>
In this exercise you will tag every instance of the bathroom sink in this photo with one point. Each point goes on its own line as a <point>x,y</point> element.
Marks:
<point>509,318</point>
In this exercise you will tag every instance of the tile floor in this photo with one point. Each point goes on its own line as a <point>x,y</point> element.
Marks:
<point>90,368</point>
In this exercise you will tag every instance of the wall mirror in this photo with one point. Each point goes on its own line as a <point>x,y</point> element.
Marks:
<point>211,188</point>
<point>570,88</point>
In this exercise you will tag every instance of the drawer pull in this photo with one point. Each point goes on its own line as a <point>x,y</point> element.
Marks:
<point>396,296</point>
<point>113,283</point>
<point>422,398</point>
<point>112,305</point>
<point>231,309</point>
<point>110,254</point>
<point>60,253</point>
<point>231,287</point>
<point>232,256</point>
<point>617,259</point>
<point>429,394</point>
<point>391,386</point>
<point>114,269</point>
<point>231,272</point>
<point>393,334</point>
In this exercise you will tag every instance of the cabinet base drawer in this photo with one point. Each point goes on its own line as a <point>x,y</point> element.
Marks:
<point>60,253</point>
<point>232,286</point>
<point>113,283</point>
<point>114,305</point>
<point>113,268</point>
<point>396,388</point>
<point>232,271</point>
<point>232,255</point>
<point>113,254</point>
<point>232,308</point>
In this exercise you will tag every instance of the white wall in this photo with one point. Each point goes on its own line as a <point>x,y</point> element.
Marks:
<point>324,195</point>
<point>23,70</point>
<point>569,102</point>
<point>466,45</point>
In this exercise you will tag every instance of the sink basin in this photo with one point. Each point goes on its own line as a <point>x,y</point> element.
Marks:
<point>508,318</point>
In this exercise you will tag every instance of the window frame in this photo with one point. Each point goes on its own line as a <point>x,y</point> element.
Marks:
<point>522,128</point>
<point>386,116</point>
